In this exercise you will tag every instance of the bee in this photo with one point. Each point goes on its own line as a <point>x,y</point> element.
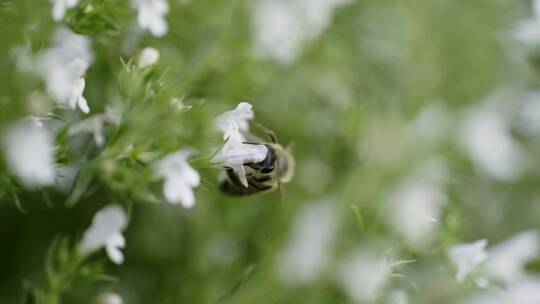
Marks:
<point>264,176</point>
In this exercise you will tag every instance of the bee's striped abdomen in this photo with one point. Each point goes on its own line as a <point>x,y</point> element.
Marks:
<point>231,184</point>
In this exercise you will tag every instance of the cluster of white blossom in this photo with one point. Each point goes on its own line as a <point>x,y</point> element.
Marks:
<point>106,232</point>
<point>504,263</point>
<point>63,67</point>
<point>29,153</point>
<point>60,8</point>
<point>486,136</point>
<point>180,178</point>
<point>415,207</point>
<point>281,27</point>
<point>528,30</point>
<point>151,16</point>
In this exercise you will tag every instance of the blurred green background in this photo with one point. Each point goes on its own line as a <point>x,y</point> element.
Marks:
<point>357,101</point>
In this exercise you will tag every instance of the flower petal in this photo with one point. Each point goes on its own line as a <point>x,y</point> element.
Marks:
<point>115,254</point>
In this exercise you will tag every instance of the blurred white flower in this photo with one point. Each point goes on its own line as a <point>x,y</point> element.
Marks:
<point>110,298</point>
<point>106,231</point>
<point>415,206</point>
<point>525,292</point>
<point>508,259</point>
<point>415,209</point>
<point>364,276</point>
<point>235,153</point>
<point>63,67</point>
<point>37,121</point>
<point>397,297</point>
<point>486,136</point>
<point>29,153</point>
<point>467,257</point>
<point>281,27</point>
<point>151,16</point>
<point>95,125</point>
<point>528,30</point>
<point>60,7</point>
<point>432,123</point>
<point>308,249</point>
<point>76,98</point>
<point>149,56</point>
<point>180,178</point>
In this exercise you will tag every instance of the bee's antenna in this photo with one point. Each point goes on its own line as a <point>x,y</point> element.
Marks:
<point>268,132</point>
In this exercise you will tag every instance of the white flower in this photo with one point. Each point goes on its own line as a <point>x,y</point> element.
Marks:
<point>110,298</point>
<point>526,292</point>
<point>106,231</point>
<point>76,98</point>
<point>149,56</point>
<point>486,136</point>
<point>29,154</point>
<point>152,16</point>
<point>397,297</point>
<point>415,206</point>
<point>415,209</point>
<point>180,178</point>
<point>364,275</point>
<point>528,30</point>
<point>432,123</point>
<point>60,7</point>
<point>282,26</point>
<point>508,259</point>
<point>63,67</point>
<point>467,257</point>
<point>236,120</point>
<point>235,153</point>
<point>308,249</point>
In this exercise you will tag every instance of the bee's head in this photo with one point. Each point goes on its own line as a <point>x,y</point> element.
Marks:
<point>284,163</point>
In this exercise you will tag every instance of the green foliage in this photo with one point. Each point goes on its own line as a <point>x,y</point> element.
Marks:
<point>64,268</point>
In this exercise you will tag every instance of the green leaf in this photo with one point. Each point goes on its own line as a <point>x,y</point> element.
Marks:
<point>238,285</point>
<point>358,217</point>
<point>80,186</point>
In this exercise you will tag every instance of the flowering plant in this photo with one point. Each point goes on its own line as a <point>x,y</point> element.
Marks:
<point>416,131</point>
